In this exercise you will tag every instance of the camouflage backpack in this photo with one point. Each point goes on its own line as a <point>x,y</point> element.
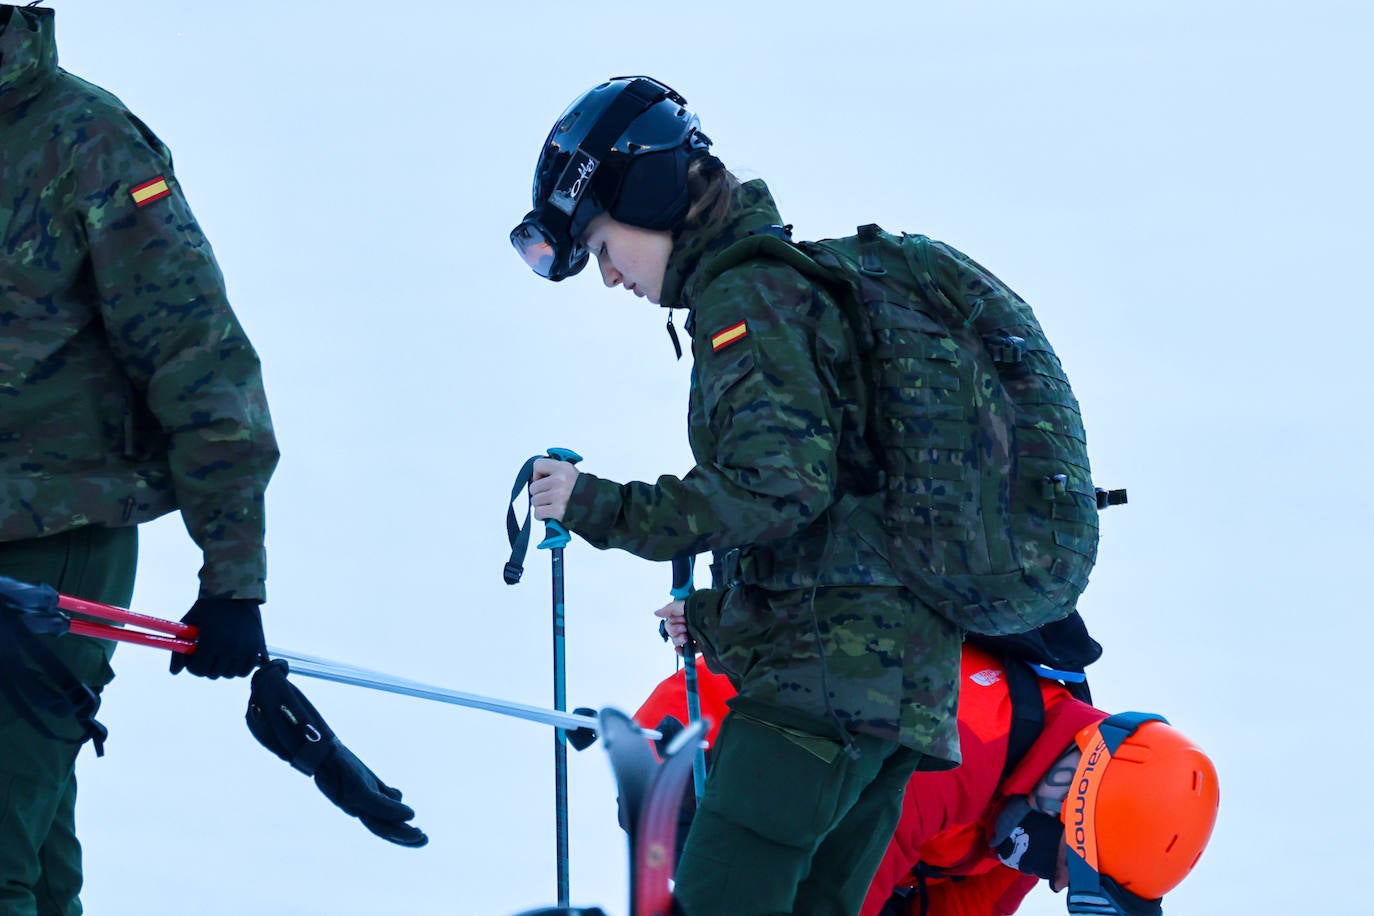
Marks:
<point>989,507</point>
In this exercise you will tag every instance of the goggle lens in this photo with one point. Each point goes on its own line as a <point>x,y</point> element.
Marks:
<point>535,246</point>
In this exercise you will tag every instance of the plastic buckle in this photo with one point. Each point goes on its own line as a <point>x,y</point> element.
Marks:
<point>1107,498</point>
<point>1054,486</point>
<point>1006,349</point>
<point>869,263</point>
<point>731,568</point>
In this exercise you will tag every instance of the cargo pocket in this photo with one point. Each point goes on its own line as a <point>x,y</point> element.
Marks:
<point>774,784</point>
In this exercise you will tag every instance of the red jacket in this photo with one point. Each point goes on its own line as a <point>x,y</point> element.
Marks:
<point>670,699</point>
<point>946,816</point>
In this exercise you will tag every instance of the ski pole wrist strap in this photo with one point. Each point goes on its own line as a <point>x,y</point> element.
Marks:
<point>517,533</point>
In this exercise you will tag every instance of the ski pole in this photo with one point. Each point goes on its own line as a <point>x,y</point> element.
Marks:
<point>682,587</point>
<point>326,670</point>
<point>39,607</point>
<point>556,537</point>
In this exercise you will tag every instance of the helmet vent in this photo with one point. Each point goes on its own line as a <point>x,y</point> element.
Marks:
<point>1170,847</point>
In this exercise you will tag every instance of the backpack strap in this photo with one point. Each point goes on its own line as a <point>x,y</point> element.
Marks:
<point>767,242</point>
<point>1027,711</point>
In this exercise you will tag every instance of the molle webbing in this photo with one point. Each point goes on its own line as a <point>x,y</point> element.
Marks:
<point>990,513</point>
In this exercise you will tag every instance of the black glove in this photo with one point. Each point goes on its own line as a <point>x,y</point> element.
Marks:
<point>288,725</point>
<point>346,782</point>
<point>230,643</point>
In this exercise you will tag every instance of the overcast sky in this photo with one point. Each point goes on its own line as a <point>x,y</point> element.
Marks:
<point>1180,189</point>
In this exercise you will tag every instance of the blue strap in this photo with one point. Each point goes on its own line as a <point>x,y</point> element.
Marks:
<point>1116,729</point>
<point>1055,674</point>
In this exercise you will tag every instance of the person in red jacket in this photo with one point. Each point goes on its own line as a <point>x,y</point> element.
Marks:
<point>1115,808</point>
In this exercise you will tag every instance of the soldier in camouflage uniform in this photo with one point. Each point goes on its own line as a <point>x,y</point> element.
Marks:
<point>127,390</point>
<point>847,683</point>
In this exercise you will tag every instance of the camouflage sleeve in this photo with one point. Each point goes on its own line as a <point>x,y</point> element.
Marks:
<point>764,415</point>
<point>168,321</point>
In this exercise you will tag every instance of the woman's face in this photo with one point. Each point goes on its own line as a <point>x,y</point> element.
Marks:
<point>629,256</point>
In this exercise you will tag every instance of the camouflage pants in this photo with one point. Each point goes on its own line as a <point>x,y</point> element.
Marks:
<point>790,823</point>
<point>40,857</point>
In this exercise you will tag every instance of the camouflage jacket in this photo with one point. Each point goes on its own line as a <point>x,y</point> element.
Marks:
<point>777,411</point>
<point>127,387</point>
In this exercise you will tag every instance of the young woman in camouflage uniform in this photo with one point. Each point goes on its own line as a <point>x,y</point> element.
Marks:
<point>846,682</point>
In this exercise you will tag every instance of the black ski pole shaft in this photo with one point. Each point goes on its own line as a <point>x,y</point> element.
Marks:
<point>682,587</point>
<point>556,538</point>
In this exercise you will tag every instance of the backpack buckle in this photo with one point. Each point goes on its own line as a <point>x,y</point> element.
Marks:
<point>1005,349</point>
<point>869,263</point>
<point>1107,498</point>
<point>1054,486</point>
<point>726,572</point>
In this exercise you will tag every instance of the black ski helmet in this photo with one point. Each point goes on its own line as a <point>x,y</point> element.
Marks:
<point>621,148</point>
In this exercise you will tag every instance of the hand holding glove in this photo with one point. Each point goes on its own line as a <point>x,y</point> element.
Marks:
<point>230,643</point>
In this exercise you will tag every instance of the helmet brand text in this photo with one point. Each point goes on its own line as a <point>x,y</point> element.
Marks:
<point>1080,800</point>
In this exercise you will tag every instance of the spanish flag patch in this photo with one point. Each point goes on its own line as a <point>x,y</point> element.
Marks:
<point>722,339</point>
<point>150,191</point>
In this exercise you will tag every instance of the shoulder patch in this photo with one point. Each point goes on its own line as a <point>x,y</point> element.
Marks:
<point>722,339</point>
<point>150,191</point>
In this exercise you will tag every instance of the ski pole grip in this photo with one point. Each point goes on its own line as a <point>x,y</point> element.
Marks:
<point>682,578</point>
<point>555,534</point>
<point>564,454</point>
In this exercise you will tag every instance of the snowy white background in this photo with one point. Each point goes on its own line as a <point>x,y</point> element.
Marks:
<point>1180,188</point>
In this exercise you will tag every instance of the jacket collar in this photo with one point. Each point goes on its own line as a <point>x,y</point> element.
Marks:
<point>28,55</point>
<point>752,208</point>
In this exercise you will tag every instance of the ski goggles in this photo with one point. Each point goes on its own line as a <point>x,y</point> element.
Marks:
<point>549,241</point>
<point>1092,893</point>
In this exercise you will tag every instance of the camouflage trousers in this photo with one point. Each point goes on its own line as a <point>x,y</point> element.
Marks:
<point>40,857</point>
<point>790,823</point>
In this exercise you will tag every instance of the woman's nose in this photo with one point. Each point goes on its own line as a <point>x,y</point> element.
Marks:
<point>609,275</point>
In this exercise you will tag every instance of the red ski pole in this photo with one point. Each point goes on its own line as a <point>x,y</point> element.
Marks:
<point>181,638</point>
<point>41,608</point>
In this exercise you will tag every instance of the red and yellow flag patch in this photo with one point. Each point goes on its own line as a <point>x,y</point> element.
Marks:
<point>722,339</point>
<point>150,191</point>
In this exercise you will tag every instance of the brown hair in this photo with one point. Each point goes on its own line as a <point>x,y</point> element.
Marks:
<point>711,187</point>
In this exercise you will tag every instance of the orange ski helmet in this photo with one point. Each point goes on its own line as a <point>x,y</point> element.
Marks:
<point>1138,814</point>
